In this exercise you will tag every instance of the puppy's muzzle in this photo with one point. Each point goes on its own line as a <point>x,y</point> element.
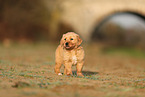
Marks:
<point>67,44</point>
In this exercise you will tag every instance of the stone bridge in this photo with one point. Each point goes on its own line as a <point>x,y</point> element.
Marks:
<point>85,15</point>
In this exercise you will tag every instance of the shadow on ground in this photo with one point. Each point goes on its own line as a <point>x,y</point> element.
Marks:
<point>86,73</point>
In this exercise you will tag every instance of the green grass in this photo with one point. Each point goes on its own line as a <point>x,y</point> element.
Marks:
<point>92,77</point>
<point>125,51</point>
<point>30,75</point>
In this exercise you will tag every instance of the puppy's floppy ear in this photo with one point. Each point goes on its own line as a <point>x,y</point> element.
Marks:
<point>62,40</point>
<point>79,40</point>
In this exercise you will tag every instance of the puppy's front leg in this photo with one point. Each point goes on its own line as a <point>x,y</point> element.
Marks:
<point>57,68</point>
<point>79,68</point>
<point>68,69</point>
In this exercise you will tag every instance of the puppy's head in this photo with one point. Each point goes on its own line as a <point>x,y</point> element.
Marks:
<point>70,40</point>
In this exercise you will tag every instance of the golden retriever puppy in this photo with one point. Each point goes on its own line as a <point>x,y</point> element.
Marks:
<point>69,53</point>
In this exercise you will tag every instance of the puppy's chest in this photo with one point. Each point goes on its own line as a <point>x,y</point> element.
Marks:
<point>71,57</point>
<point>74,60</point>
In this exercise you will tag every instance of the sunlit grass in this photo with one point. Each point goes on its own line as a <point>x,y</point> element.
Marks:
<point>125,51</point>
<point>29,69</point>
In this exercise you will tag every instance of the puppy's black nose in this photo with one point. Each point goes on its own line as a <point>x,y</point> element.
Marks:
<point>66,43</point>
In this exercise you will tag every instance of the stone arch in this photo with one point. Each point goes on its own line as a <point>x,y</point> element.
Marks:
<point>106,18</point>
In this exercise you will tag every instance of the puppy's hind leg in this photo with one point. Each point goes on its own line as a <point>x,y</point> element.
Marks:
<point>57,68</point>
<point>64,70</point>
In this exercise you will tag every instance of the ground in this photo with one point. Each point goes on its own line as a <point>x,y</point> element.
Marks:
<point>28,70</point>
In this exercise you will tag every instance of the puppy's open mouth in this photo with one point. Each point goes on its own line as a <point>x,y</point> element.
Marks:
<point>68,46</point>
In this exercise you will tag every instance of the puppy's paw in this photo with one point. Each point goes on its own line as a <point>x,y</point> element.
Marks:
<point>69,75</point>
<point>80,75</point>
<point>59,73</point>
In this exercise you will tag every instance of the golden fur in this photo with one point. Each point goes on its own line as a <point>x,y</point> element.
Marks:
<point>69,53</point>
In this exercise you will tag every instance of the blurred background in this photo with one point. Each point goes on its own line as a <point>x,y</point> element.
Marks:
<point>111,22</point>
<point>113,33</point>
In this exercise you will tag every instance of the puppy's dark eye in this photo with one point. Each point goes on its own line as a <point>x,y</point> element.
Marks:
<point>65,39</point>
<point>71,39</point>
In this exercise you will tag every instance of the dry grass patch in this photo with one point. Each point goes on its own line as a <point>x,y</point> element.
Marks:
<point>28,70</point>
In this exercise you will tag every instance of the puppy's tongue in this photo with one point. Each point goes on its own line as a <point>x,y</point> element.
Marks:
<point>67,47</point>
